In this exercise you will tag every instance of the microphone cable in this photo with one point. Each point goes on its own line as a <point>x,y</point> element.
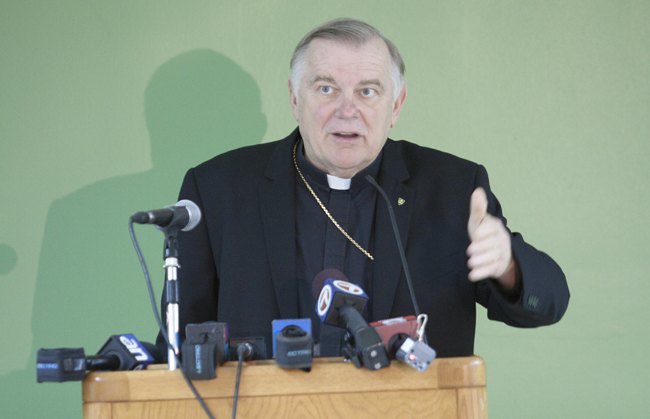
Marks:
<point>163,332</point>
<point>400,247</point>
<point>244,351</point>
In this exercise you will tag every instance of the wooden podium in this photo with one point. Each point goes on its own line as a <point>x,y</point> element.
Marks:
<point>450,388</point>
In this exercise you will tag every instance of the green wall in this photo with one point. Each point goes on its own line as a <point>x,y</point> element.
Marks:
<point>105,104</point>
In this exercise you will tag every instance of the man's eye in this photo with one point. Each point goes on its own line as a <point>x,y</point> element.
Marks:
<point>326,90</point>
<point>368,92</point>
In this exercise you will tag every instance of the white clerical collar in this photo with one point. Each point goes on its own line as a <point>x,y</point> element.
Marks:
<point>338,183</point>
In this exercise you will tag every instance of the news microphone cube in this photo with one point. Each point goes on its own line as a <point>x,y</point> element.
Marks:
<point>335,294</point>
<point>279,324</point>
<point>128,350</point>
<point>294,348</point>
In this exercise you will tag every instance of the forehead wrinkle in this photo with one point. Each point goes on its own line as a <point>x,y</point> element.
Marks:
<point>320,55</point>
<point>375,69</point>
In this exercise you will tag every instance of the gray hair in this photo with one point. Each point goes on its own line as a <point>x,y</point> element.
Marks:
<point>350,31</point>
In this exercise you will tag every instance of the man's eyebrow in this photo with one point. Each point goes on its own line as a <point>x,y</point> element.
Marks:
<point>330,80</point>
<point>318,79</point>
<point>371,82</point>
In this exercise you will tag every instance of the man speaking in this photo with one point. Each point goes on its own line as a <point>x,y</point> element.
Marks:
<point>276,214</point>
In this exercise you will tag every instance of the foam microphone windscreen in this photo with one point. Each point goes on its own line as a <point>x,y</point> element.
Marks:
<point>319,279</point>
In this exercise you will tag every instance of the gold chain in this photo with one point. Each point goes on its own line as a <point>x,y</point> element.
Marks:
<point>311,191</point>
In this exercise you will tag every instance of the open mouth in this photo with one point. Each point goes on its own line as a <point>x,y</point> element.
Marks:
<point>346,135</point>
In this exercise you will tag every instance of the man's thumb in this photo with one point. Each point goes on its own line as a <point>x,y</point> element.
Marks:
<point>477,209</point>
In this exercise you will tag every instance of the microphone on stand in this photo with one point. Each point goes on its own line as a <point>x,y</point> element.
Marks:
<point>184,215</point>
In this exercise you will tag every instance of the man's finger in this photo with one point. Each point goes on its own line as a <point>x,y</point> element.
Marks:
<point>485,258</point>
<point>481,273</point>
<point>477,210</point>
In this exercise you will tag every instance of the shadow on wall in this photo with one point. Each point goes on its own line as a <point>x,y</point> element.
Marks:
<point>89,285</point>
<point>8,259</point>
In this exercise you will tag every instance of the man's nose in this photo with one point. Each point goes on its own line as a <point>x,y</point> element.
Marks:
<point>347,107</point>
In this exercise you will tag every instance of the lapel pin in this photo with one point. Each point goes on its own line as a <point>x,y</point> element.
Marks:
<point>400,201</point>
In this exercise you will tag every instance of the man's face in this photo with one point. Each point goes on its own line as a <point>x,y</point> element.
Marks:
<point>344,105</point>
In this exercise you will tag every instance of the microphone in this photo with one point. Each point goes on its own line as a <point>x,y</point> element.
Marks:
<point>400,247</point>
<point>184,215</point>
<point>205,347</point>
<point>293,343</point>
<point>401,339</point>
<point>119,353</point>
<point>412,352</point>
<point>340,304</point>
<point>319,280</point>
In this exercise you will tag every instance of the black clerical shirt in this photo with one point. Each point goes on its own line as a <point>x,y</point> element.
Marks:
<point>321,245</point>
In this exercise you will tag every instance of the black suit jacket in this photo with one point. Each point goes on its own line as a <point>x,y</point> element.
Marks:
<point>239,264</point>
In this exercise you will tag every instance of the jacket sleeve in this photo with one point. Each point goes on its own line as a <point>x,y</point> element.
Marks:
<point>543,295</point>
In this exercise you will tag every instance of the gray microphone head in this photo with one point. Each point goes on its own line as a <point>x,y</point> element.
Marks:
<point>194,212</point>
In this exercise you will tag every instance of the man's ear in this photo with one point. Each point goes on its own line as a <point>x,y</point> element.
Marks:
<point>293,100</point>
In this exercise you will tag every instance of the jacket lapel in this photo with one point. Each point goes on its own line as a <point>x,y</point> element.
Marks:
<point>277,202</point>
<point>387,269</point>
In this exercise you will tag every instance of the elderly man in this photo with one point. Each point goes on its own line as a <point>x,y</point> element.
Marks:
<point>276,214</point>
